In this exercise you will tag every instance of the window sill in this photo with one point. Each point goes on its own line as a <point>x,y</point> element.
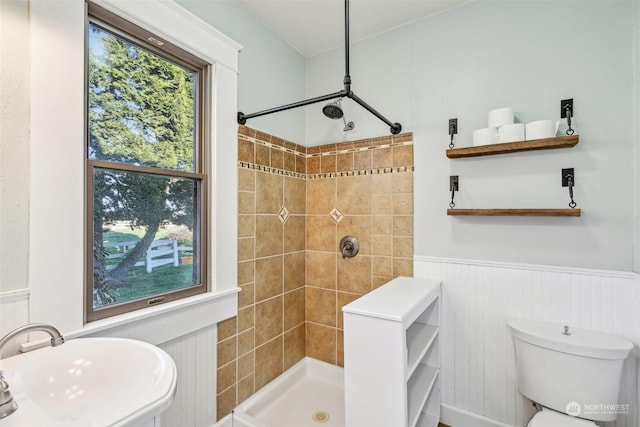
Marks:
<point>161,323</point>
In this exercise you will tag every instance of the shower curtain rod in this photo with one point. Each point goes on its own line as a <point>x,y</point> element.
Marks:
<point>395,128</point>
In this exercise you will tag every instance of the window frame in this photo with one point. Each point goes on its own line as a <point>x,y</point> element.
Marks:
<point>134,34</point>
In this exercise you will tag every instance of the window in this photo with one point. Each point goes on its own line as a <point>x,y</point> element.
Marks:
<point>145,169</point>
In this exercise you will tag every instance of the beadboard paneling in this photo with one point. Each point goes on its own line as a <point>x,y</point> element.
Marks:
<point>14,312</point>
<point>478,365</point>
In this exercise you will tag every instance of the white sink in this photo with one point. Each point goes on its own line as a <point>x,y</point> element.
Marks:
<point>90,382</point>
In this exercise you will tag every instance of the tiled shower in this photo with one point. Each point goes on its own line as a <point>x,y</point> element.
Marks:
<point>295,203</point>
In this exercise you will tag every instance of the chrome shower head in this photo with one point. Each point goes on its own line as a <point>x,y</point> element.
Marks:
<point>333,110</point>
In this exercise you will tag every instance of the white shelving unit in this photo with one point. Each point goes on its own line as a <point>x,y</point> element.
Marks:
<point>391,355</point>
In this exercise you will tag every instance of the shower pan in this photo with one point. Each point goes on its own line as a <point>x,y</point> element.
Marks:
<point>330,110</point>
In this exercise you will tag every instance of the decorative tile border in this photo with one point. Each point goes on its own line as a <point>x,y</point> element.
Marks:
<point>322,153</point>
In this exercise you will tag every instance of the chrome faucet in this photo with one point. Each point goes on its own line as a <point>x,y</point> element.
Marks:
<point>7,405</point>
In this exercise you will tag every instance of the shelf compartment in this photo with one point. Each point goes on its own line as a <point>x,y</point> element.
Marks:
<point>419,388</point>
<point>514,147</point>
<point>516,212</point>
<point>420,337</point>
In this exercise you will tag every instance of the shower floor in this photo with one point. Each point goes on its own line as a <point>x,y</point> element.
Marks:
<point>309,394</point>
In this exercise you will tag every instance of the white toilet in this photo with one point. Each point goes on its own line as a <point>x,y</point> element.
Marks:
<point>568,371</point>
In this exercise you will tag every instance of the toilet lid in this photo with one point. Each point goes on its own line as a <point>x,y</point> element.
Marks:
<point>546,418</point>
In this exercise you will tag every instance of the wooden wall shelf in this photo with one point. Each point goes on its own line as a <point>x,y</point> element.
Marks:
<point>513,147</point>
<point>515,212</point>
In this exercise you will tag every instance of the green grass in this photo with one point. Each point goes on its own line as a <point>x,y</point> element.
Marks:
<point>140,284</point>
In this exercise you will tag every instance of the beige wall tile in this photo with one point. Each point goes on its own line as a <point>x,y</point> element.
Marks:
<point>402,204</point>
<point>245,151</point>
<point>295,195</point>
<point>289,162</point>
<point>269,230</point>
<point>269,197</point>
<point>246,225</point>
<point>246,364</point>
<point>403,247</point>
<point>321,342</point>
<point>226,376</point>
<point>246,179</point>
<point>382,245</point>
<point>354,195</point>
<point>246,202</point>
<point>379,281</point>
<point>402,267</point>
<point>247,295</point>
<point>381,204</point>
<point>294,345</point>
<point>381,183</point>
<point>344,298</point>
<point>321,269</point>
<point>359,227</point>
<point>271,359</point>
<point>294,270</point>
<point>403,155</point>
<point>269,277</point>
<point>403,225</point>
<point>246,341</point>
<point>262,155</point>
<point>301,164</point>
<point>362,160</point>
<point>383,266</point>
<point>344,162</point>
<point>246,387</point>
<point>246,318</point>
<point>321,196</point>
<point>354,274</point>
<point>321,306</point>
<point>262,136</point>
<point>227,351</point>
<point>313,165</point>
<point>246,249</point>
<point>227,328</point>
<point>382,225</point>
<point>268,320</point>
<point>402,182</point>
<point>294,308</point>
<point>321,233</point>
<point>382,157</point>
<point>277,158</point>
<point>328,163</point>
<point>225,402</point>
<point>245,272</point>
<point>294,233</point>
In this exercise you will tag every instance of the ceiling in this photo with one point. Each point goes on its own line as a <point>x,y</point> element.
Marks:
<point>313,27</point>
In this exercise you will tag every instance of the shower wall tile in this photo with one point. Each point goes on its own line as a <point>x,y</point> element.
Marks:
<point>293,279</point>
<point>271,357</point>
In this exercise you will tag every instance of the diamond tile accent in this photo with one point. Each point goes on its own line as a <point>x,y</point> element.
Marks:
<point>283,214</point>
<point>336,215</point>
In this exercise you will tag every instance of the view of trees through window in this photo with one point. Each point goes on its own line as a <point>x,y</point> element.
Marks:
<point>144,181</point>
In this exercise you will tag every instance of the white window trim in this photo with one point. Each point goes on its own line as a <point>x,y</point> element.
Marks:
<point>56,264</point>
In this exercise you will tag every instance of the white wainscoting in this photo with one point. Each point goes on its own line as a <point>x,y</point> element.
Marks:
<point>478,297</point>
<point>14,312</point>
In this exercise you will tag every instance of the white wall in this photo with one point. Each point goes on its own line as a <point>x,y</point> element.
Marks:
<point>486,55</point>
<point>14,143</point>
<point>271,74</point>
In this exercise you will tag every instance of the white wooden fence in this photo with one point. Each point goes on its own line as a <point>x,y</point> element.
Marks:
<point>160,252</point>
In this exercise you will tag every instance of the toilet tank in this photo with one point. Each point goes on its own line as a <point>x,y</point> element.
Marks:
<point>555,369</point>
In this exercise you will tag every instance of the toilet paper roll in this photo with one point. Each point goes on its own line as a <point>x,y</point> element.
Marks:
<point>541,129</point>
<point>500,117</point>
<point>485,136</point>
<point>511,133</point>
